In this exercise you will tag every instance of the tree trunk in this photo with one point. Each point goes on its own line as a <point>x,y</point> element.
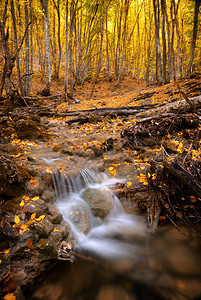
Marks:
<point>26,79</point>
<point>57,7</point>
<point>164,72</point>
<point>157,40</point>
<point>46,90</point>
<point>66,55</point>
<point>101,48</point>
<point>194,37</point>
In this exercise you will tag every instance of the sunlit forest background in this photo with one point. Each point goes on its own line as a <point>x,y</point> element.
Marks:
<point>81,40</point>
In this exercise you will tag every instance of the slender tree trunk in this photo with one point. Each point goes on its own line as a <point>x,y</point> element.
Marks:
<point>46,90</point>
<point>26,85</point>
<point>16,48</point>
<point>31,41</point>
<point>163,10</point>
<point>57,7</point>
<point>66,55</point>
<point>194,37</point>
<point>157,39</point>
<point>101,48</point>
<point>72,10</point>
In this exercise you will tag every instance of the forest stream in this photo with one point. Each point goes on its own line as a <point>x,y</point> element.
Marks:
<point>112,254</point>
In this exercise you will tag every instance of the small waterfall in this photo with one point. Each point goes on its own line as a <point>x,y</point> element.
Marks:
<point>106,239</point>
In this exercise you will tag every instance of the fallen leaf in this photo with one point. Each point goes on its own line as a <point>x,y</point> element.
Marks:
<point>40,218</point>
<point>33,216</point>
<point>35,198</point>
<point>17,220</point>
<point>129,183</point>
<point>9,296</point>
<point>22,203</point>
<point>30,245</point>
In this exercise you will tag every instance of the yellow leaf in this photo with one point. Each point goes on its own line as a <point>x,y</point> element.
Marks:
<point>111,168</point>
<point>35,198</point>
<point>40,218</point>
<point>23,226</point>
<point>17,220</point>
<point>129,183</point>
<point>22,203</point>
<point>9,296</point>
<point>0,261</point>
<point>56,229</point>
<point>33,216</point>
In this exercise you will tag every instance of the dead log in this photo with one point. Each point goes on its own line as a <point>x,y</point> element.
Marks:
<point>118,111</point>
<point>184,178</point>
<point>173,107</point>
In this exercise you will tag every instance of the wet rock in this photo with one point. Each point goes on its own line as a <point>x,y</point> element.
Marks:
<point>64,228</point>
<point>47,178</point>
<point>90,153</point>
<point>9,231</point>
<point>56,236</point>
<point>80,216</point>
<point>9,148</point>
<point>54,215</point>
<point>67,150</point>
<point>99,200</point>
<point>129,172</point>
<point>28,129</point>
<point>35,188</point>
<point>12,177</point>
<point>42,228</point>
<point>48,196</point>
<point>39,207</point>
<point>47,248</point>
<point>4,267</point>
<point>80,152</point>
<point>97,150</point>
<point>27,235</point>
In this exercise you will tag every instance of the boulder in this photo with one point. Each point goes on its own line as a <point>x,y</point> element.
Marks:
<point>100,201</point>
<point>42,228</point>
<point>39,207</point>
<point>80,216</point>
<point>35,187</point>
<point>48,196</point>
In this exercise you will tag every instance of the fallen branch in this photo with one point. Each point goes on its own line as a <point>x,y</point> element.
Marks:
<point>173,107</point>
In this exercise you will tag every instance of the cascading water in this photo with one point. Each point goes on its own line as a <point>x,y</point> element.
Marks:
<point>108,238</point>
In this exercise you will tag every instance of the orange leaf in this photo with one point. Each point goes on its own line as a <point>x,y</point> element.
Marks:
<point>9,296</point>
<point>30,244</point>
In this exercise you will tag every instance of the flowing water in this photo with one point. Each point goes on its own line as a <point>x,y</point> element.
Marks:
<point>129,262</point>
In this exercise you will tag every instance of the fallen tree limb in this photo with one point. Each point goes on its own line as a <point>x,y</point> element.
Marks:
<point>173,107</point>
<point>184,178</point>
<point>119,111</point>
